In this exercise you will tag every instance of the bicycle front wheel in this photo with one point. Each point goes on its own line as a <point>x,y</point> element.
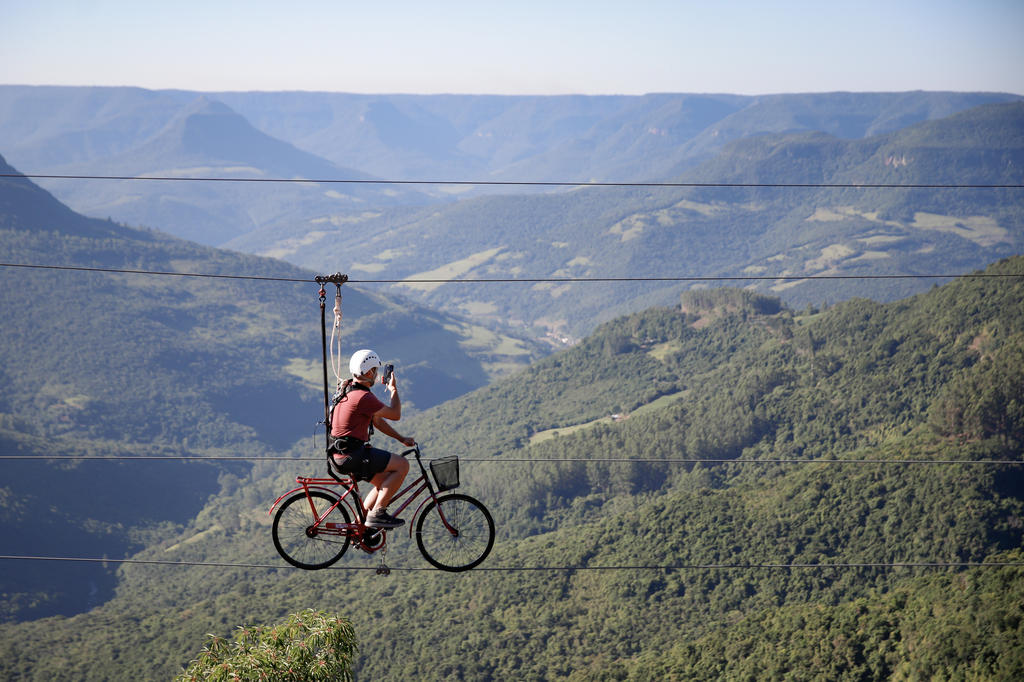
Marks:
<point>461,539</point>
<point>303,542</point>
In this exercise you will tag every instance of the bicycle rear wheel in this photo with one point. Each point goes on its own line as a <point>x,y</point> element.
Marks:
<point>299,542</point>
<point>464,542</point>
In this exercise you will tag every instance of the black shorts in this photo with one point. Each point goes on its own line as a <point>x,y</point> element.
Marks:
<point>362,464</point>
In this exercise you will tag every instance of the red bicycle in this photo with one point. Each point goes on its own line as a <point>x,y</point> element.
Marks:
<point>314,526</point>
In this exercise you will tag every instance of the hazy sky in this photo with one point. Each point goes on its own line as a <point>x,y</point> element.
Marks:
<point>519,46</point>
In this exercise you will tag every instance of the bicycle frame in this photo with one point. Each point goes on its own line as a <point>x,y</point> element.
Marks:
<point>352,499</point>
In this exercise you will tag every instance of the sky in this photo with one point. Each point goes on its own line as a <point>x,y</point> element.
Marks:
<point>517,47</point>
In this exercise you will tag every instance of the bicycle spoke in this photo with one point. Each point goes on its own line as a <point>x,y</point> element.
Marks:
<point>303,542</point>
<point>462,540</point>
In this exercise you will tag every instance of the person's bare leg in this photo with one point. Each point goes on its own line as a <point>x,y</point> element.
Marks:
<point>370,498</point>
<point>386,483</point>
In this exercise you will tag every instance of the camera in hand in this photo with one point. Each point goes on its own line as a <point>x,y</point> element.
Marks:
<point>388,370</point>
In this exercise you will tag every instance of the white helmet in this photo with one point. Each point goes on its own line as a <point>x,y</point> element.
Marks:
<point>363,361</point>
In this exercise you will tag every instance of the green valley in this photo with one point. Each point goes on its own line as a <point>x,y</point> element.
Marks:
<point>121,364</point>
<point>829,493</point>
<point>935,198</point>
<point>818,475</point>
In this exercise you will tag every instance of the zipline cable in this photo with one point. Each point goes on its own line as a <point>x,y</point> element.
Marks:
<point>524,280</point>
<point>698,278</point>
<point>521,183</point>
<point>521,460</point>
<point>513,569</point>
<point>122,271</point>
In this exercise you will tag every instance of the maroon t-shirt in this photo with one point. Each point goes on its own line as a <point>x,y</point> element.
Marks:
<point>353,414</point>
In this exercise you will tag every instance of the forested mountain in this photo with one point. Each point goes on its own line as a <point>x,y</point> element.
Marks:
<point>104,363</point>
<point>808,453</point>
<point>389,231</point>
<point>766,232</point>
<point>710,483</point>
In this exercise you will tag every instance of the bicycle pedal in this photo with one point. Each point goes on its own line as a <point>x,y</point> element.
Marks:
<point>373,538</point>
<point>383,570</point>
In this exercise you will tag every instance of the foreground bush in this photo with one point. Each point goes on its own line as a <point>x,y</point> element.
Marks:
<point>311,645</point>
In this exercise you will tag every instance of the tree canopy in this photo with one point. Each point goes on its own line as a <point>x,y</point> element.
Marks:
<point>311,645</point>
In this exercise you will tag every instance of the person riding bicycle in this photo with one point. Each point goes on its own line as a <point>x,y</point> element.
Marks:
<point>354,410</point>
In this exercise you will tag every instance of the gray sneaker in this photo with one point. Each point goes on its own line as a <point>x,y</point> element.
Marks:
<point>379,518</point>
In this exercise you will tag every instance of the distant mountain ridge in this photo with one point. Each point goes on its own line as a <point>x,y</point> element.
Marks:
<point>711,231</point>
<point>567,138</point>
<point>208,129</point>
<point>205,138</point>
<point>400,232</point>
<point>464,137</point>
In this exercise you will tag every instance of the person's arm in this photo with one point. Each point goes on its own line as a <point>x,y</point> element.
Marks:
<point>383,426</point>
<point>394,410</point>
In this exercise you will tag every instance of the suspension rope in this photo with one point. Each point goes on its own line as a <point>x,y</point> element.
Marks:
<point>336,361</point>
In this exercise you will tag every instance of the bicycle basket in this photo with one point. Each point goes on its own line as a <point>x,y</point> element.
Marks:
<point>446,472</point>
